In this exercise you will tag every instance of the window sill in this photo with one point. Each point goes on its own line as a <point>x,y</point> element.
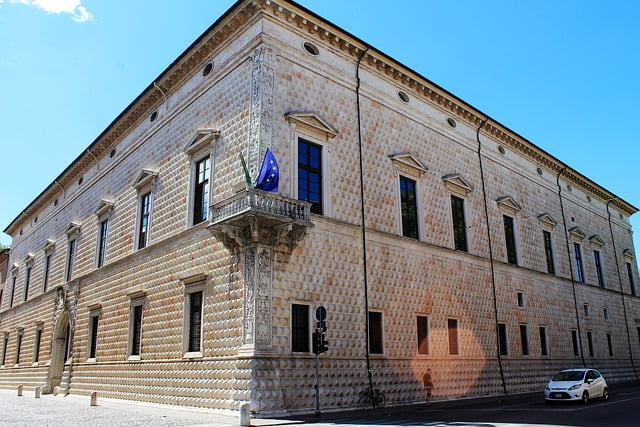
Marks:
<point>192,355</point>
<point>91,360</point>
<point>133,358</point>
<point>35,364</point>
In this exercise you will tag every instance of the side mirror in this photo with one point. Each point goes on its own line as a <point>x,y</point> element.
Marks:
<point>589,381</point>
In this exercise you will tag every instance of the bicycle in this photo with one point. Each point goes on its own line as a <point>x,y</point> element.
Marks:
<point>368,399</point>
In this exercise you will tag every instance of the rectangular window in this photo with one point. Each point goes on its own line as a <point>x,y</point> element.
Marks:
<point>590,343</point>
<point>13,291</point>
<point>1,292</point>
<point>375,332</point>
<point>135,328</point>
<point>459,225</point>
<point>201,191</point>
<point>586,310</point>
<point>452,326</point>
<point>578,255</point>
<point>520,299</point>
<point>574,341</point>
<point>143,221</point>
<point>502,339</point>
<point>18,346</point>
<point>524,340</point>
<point>598,263</point>
<point>310,174</point>
<point>300,328</point>
<point>610,344</point>
<point>605,313</point>
<point>5,346</point>
<point>93,334</point>
<point>423,334</point>
<point>195,321</point>
<point>548,250</point>
<point>36,345</point>
<point>47,267</point>
<point>71,255</point>
<point>102,242</point>
<point>408,207</point>
<point>510,240</point>
<point>544,350</point>
<point>630,275</point>
<point>27,282</point>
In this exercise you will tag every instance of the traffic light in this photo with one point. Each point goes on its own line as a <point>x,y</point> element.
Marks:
<point>316,342</point>
<point>324,344</point>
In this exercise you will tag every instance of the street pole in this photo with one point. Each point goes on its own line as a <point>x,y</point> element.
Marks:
<point>317,387</point>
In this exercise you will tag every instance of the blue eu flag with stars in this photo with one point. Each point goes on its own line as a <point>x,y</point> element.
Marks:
<point>269,175</point>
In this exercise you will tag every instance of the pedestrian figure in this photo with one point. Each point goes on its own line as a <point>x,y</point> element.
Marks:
<point>428,385</point>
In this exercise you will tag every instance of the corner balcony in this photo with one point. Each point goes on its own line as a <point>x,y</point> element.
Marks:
<point>255,216</point>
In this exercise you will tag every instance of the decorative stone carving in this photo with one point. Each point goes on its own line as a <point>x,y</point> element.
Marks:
<point>508,205</point>
<point>261,107</point>
<point>576,234</point>
<point>547,220</point>
<point>596,242</point>
<point>407,164</point>
<point>457,185</point>
<point>628,255</point>
<point>312,122</point>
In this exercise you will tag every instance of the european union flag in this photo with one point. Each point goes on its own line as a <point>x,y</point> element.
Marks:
<point>269,175</point>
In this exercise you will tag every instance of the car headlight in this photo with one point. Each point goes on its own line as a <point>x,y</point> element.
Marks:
<point>547,387</point>
<point>574,387</point>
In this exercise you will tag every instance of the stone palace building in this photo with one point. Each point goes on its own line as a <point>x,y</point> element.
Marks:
<point>434,236</point>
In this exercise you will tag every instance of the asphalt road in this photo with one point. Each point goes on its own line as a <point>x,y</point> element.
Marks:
<point>622,409</point>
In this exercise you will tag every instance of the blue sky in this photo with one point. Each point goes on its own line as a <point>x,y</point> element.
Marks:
<point>563,74</point>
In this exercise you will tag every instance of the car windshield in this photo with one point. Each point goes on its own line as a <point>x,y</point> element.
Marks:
<point>568,376</point>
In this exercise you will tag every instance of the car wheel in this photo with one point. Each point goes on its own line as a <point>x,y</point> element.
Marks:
<point>585,397</point>
<point>605,394</point>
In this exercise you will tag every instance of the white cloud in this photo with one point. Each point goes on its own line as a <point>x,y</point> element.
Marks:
<point>73,7</point>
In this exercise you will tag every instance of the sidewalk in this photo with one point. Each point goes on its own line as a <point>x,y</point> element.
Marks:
<point>76,411</point>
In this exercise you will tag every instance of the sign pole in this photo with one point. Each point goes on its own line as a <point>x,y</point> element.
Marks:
<point>317,387</point>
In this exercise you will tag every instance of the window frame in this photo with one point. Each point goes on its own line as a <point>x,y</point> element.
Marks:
<point>319,206</point>
<point>143,221</point>
<point>200,191</point>
<point>632,286</point>
<point>46,270</point>
<point>14,280</point>
<point>92,334</point>
<point>510,238</point>
<point>575,342</point>
<point>590,345</point>
<point>5,348</point>
<point>72,247</point>
<point>610,343</point>
<point>101,246</point>
<point>453,344</point>
<point>460,235</point>
<point>187,331</point>
<point>597,260</point>
<point>416,207</point>
<point>19,338</point>
<point>544,341</point>
<point>503,339</point>
<point>524,340</point>
<point>138,301</point>
<point>579,263</point>
<point>375,321</point>
<point>27,282</point>
<point>37,343</point>
<point>548,251</point>
<point>304,330</point>
<point>424,339</point>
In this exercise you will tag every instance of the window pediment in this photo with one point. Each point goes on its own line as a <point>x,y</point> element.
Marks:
<point>146,178</point>
<point>105,207</point>
<point>408,164</point>
<point>596,242</point>
<point>49,246</point>
<point>29,259</point>
<point>313,122</point>
<point>576,233</point>
<point>73,229</point>
<point>203,138</point>
<point>196,278</point>
<point>137,294</point>
<point>628,255</point>
<point>14,268</point>
<point>457,184</point>
<point>547,220</point>
<point>508,205</point>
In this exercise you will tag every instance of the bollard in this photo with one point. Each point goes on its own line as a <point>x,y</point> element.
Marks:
<point>94,398</point>
<point>56,390</point>
<point>20,390</point>
<point>38,391</point>
<point>245,415</point>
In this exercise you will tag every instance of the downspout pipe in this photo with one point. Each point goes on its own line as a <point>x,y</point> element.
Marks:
<point>491,262</point>
<point>573,281</point>
<point>624,305</point>
<point>363,225</point>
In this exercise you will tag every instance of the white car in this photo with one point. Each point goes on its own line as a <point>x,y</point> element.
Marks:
<point>576,384</point>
